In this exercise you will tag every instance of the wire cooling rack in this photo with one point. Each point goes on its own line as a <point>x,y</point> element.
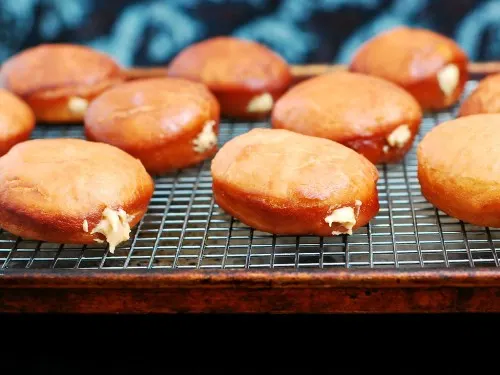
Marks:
<point>185,229</point>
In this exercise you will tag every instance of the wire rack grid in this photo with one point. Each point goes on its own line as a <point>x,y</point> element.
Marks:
<point>185,229</point>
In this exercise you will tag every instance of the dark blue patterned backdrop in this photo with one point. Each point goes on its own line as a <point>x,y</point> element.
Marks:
<point>151,32</point>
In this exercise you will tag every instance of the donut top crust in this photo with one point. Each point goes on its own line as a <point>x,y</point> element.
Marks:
<point>484,99</point>
<point>406,55</point>
<point>283,168</point>
<point>232,63</point>
<point>150,113</point>
<point>58,180</point>
<point>465,149</point>
<point>343,106</point>
<point>57,70</point>
<point>15,116</point>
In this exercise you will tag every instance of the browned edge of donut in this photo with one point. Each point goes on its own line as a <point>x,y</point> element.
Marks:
<point>484,97</point>
<point>52,107</point>
<point>286,219</point>
<point>28,120</point>
<point>234,103</point>
<point>452,203</point>
<point>175,155</point>
<point>61,229</point>
<point>21,137</point>
<point>373,147</point>
<point>429,94</point>
<point>438,196</point>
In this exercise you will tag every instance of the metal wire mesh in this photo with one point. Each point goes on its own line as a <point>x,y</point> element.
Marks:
<point>184,228</point>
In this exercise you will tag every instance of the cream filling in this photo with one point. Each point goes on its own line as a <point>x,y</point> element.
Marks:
<point>207,139</point>
<point>114,225</point>
<point>399,136</point>
<point>261,103</point>
<point>448,79</point>
<point>344,216</point>
<point>85,226</point>
<point>78,105</point>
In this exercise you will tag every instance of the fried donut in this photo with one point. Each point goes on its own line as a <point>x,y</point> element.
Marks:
<point>72,191</point>
<point>432,67</point>
<point>458,168</point>
<point>167,123</point>
<point>484,99</point>
<point>245,76</point>
<point>17,121</point>
<point>59,80</point>
<point>372,116</point>
<point>283,182</point>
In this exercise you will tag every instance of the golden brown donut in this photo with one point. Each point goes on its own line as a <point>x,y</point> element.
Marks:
<point>432,67</point>
<point>167,123</point>
<point>245,76</point>
<point>484,99</point>
<point>375,117</point>
<point>458,168</point>
<point>59,80</point>
<point>72,191</point>
<point>17,121</point>
<point>283,182</point>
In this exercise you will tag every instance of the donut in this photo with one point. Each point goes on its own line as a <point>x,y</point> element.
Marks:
<point>458,168</point>
<point>72,191</point>
<point>372,116</point>
<point>282,182</point>
<point>431,66</point>
<point>167,123</point>
<point>484,99</point>
<point>17,121</point>
<point>59,80</point>
<point>245,76</point>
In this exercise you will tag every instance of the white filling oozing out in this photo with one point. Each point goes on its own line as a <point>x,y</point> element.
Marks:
<point>344,216</point>
<point>85,226</point>
<point>78,105</point>
<point>261,103</point>
<point>207,139</point>
<point>399,136</point>
<point>448,78</point>
<point>114,225</point>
